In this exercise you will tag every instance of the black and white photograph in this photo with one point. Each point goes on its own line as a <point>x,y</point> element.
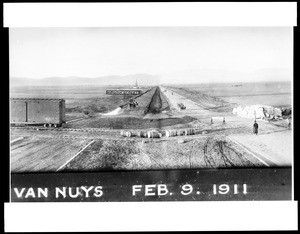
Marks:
<point>160,98</point>
<point>96,99</point>
<point>151,114</point>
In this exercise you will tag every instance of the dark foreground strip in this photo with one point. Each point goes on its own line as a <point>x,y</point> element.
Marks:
<point>172,185</point>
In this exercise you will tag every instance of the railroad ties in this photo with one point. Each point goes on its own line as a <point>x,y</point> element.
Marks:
<point>73,133</point>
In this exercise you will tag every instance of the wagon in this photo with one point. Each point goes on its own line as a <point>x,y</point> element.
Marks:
<point>37,111</point>
<point>181,106</point>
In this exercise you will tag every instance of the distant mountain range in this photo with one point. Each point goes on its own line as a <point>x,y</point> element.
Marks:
<point>142,79</point>
<point>226,76</point>
<point>178,77</point>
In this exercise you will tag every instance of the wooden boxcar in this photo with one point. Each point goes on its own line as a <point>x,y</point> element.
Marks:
<point>33,111</point>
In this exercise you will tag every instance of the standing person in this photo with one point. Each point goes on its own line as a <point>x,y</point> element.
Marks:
<point>289,123</point>
<point>255,127</point>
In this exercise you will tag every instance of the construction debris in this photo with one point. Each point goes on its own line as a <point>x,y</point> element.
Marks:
<point>258,112</point>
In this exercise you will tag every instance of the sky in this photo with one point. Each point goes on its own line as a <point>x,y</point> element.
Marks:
<point>92,52</point>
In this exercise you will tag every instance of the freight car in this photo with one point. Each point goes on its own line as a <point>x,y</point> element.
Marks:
<point>33,111</point>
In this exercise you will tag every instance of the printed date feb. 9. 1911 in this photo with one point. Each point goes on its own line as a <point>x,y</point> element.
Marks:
<point>188,189</point>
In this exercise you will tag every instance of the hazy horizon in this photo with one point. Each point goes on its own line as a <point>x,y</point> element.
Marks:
<point>194,77</point>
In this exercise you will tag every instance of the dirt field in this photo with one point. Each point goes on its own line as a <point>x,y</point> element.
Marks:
<point>277,94</point>
<point>96,105</point>
<point>203,152</point>
<point>43,154</point>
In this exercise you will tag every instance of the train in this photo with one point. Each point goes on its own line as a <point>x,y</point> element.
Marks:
<point>37,111</point>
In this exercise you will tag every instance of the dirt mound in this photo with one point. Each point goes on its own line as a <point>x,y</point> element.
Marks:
<point>152,101</point>
<point>143,101</point>
<point>128,122</point>
<point>158,102</point>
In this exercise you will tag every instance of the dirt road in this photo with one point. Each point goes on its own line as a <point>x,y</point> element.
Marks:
<point>192,108</point>
<point>273,145</point>
<point>273,148</point>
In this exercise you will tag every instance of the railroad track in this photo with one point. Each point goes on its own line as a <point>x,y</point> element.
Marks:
<point>64,129</point>
<point>103,133</point>
<point>95,132</point>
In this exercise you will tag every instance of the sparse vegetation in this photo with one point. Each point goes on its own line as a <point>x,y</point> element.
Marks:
<point>96,105</point>
<point>204,152</point>
<point>116,154</point>
<point>105,155</point>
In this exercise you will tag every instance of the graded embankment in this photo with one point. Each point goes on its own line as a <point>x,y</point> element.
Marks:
<point>158,103</point>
